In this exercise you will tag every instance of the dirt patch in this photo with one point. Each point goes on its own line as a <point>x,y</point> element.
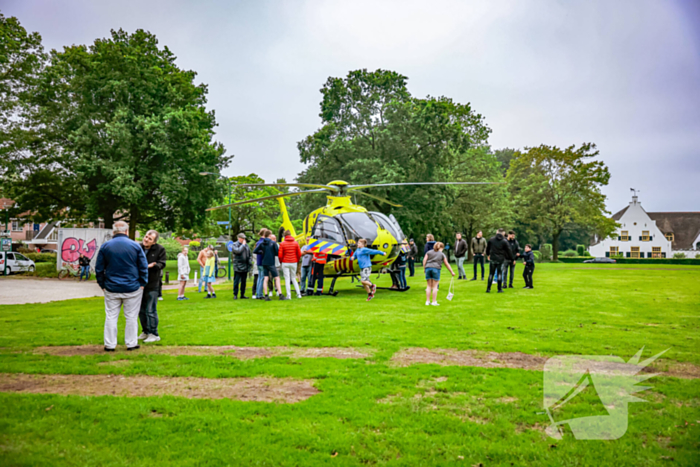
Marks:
<point>452,357</point>
<point>241,353</point>
<point>285,390</point>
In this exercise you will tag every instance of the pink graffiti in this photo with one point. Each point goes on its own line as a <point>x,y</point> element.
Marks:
<point>70,251</point>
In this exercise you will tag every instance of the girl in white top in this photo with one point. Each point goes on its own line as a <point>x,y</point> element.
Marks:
<point>183,272</point>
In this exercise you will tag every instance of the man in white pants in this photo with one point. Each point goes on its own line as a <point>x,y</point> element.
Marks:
<point>289,255</point>
<point>121,270</point>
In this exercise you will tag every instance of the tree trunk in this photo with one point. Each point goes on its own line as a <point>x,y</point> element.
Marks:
<point>555,245</point>
<point>133,216</point>
<point>108,219</point>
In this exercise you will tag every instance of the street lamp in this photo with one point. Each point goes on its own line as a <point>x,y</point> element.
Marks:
<point>204,174</point>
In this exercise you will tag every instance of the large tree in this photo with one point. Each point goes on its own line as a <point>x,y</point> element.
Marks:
<point>22,59</point>
<point>124,135</point>
<point>374,131</point>
<point>556,188</point>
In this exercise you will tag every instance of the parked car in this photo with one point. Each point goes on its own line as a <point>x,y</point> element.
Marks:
<point>600,260</point>
<point>48,250</point>
<point>16,262</point>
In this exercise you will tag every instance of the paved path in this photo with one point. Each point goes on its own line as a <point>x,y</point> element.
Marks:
<point>17,290</point>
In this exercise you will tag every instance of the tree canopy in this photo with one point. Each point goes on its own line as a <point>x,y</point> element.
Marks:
<point>122,132</point>
<point>374,131</point>
<point>554,188</point>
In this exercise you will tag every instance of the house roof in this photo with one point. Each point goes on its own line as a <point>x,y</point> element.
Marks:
<point>618,215</point>
<point>685,227</point>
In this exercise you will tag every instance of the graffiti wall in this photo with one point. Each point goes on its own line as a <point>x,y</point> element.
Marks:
<point>72,241</point>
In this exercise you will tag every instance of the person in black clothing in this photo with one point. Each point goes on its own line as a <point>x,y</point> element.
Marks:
<point>156,257</point>
<point>269,251</point>
<point>84,263</point>
<point>498,252</point>
<point>241,265</point>
<point>529,262</point>
<point>412,257</point>
<point>429,243</point>
<point>515,248</point>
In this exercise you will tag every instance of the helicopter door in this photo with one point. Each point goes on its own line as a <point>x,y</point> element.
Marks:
<point>327,228</point>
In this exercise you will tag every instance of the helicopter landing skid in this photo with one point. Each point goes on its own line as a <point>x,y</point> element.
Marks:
<point>390,288</point>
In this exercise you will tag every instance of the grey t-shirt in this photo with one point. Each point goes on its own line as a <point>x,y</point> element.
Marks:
<point>435,259</point>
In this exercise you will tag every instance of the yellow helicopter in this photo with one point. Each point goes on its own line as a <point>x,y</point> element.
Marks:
<point>335,228</point>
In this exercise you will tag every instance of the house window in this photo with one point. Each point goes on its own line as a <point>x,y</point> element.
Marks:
<point>614,250</point>
<point>645,236</point>
<point>656,252</point>
<point>624,236</point>
<point>635,252</point>
<point>15,226</point>
<point>669,236</point>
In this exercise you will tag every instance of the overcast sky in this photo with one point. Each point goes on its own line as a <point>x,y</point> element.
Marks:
<point>624,74</point>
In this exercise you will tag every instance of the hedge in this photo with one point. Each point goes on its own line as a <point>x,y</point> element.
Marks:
<point>648,261</point>
<point>41,257</point>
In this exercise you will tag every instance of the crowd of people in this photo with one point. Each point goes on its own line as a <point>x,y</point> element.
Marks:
<point>130,273</point>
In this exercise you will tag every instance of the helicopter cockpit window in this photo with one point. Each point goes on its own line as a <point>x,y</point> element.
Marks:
<point>359,225</point>
<point>328,228</point>
<point>386,223</point>
<point>398,227</point>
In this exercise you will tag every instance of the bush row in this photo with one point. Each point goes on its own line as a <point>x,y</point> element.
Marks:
<point>688,261</point>
<point>41,257</point>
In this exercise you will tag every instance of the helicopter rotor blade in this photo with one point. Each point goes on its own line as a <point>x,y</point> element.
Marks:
<point>300,185</point>
<point>378,198</point>
<point>360,187</point>
<point>256,200</point>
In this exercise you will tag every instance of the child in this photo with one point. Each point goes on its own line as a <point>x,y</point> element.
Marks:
<point>432,265</point>
<point>529,262</point>
<point>364,261</point>
<point>210,274</point>
<point>183,272</point>
<point>401,263</point>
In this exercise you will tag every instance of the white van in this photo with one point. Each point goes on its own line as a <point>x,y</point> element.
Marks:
<point>16,262</point>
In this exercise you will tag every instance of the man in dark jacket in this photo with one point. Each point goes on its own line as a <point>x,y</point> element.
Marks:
<point>461,249</point>
<point>155,257</point>
<point>269,251</point>
<point>498,252</point>
<point>122,272</point>
<point>529,262</point>
<point>478,250</point>
<point>429,243</point>
<point>510,267</point>
<point>241,265</point>
<point>412,253</point>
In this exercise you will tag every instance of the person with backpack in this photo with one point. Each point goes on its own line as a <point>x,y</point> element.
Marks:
<point>289,256</point>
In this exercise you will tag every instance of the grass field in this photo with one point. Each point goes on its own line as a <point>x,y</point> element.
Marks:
<point>370,411</point>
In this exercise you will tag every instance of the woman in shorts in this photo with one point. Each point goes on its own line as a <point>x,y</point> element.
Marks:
<point>432,264</point>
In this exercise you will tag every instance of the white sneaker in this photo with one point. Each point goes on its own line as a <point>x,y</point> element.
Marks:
<point>427,303</point>
<point>143,336</point>
<point>299,296</point>
<point>152,338</point>
<point>434,304</point>
<point>160,299</point>
<point>254,297</point>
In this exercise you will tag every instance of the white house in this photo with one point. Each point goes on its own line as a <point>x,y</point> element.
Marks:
<point>651,234</point>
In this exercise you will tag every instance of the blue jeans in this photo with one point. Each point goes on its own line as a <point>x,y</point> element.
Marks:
<point>201,279</point>
<point>402,277</point>
<point>85,270</point>
<point>262,274</point>
<point>305,276</point>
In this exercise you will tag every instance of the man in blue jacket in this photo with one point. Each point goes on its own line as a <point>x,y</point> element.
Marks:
<point>363,255</point>
<point>122,273</point>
